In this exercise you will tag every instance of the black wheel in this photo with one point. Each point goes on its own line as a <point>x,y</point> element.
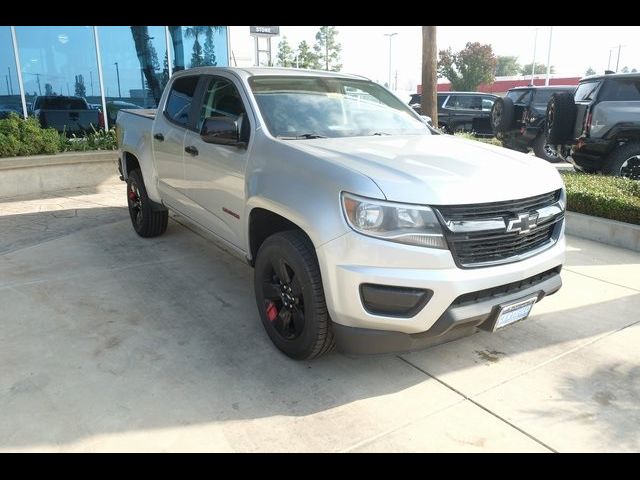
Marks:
<point>148,219</point>
<point>542,150</point>
<point>502,115</point>
<point>290,297</point>
<point>624,161</point>
<point>561,117</point>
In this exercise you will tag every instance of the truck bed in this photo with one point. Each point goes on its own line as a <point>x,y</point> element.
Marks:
<point>149,113</point>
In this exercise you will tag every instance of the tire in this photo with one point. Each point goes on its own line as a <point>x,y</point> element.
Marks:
<point>542,150</point>
<point>561,118</point>
<point>624,161</point>
<point>290,297</point>
<point>502,115</point>
<point>148,218</point>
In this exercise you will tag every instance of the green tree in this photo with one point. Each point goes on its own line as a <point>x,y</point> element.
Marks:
<point>328,49</point>
<point>634,70</point>
<point>148,59</point>
<point>306,58</point>
<point>590,71</point>
<point>197,58</point>
<point>81,90</point>
<point>209,47</point>
<point>507,66</point>
<point>468,68</point>
<point>284,57</point>
<point>48,89</point>
<point>541,68</point>
<point>625,69</point>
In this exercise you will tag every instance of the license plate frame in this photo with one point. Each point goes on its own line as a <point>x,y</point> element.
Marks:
<point>513,312</point>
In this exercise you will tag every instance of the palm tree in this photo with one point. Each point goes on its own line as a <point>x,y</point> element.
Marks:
<point>148,59</point>
<point>196,56</point>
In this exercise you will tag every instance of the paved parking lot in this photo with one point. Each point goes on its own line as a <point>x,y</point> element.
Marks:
<point>114,343</point>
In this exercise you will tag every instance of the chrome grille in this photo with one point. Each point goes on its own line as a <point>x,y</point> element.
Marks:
<point>477,233</point>
<point>498,209</point>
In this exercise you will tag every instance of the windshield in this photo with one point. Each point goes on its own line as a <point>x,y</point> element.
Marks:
<point>313,107</point>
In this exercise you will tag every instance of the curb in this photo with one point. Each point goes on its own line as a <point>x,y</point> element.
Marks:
<point>603,230</point>
<point>39,174</point>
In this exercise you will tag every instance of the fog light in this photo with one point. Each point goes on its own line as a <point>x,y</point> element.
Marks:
<point>393,301</point>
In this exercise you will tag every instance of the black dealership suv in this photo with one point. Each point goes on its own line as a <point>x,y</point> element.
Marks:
<point>598,128</point>
<point>461,111</point>
<point>518,119</point>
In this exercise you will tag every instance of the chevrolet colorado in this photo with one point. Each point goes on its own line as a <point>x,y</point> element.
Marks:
<point>366,228</point>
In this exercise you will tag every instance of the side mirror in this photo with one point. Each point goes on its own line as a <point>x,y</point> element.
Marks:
<point>220,130</point>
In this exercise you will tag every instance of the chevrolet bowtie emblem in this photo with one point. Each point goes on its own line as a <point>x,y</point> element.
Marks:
<point>523,224</point>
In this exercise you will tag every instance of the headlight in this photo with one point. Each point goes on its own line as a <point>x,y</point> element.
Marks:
<point>395,222</point>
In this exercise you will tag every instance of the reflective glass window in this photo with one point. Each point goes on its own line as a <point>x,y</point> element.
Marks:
<point>59,60</point>
<point>9,87</point>
<point>198,46</point>
<point>134,67</point>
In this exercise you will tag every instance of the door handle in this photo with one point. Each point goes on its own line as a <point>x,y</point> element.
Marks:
<point>191,150</point>
<point>159,137</point>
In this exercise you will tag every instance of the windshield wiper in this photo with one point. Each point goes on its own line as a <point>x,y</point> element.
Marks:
<point>304,136</point>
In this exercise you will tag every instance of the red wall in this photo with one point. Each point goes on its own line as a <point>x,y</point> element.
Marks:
<point>501,86</point>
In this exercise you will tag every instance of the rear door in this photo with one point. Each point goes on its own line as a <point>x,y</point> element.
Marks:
<point>169,129</point>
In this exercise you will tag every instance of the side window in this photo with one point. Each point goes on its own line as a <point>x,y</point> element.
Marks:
<point>441,99</point>
<point>621,89</point>
<point>221,98</point>
<point>487,103</point>
<point>179,102</point>
<point>452,102</point>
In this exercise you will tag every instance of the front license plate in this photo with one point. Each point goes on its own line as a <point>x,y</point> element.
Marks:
<point>514,312</point>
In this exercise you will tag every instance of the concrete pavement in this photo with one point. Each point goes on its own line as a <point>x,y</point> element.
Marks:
<point>115,343</point>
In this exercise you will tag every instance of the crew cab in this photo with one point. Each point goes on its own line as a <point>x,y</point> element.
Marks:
<point>598,127</point>
<point>366,228</point>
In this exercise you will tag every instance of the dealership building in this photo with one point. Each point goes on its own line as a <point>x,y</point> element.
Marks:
<point>104,64</point>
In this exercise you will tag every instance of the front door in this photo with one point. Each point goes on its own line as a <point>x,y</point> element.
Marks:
<point>214,174</point>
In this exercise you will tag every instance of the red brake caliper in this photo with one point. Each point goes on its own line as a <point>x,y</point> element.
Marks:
<point>272,311</point>
<point>132,195</point>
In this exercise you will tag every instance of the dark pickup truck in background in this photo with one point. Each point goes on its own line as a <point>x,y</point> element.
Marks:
<point>461,111</point>
<point>71,115</point>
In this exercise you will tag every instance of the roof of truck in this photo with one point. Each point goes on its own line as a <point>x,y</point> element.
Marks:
<point>265,71</point>
<point>611,75</point>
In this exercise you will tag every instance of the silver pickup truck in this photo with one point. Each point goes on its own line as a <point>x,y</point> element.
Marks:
<point>366,228</point>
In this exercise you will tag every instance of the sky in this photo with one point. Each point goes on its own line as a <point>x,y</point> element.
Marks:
<point>365,50</point>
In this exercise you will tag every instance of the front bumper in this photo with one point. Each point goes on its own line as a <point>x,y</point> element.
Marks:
<point>352,260</point>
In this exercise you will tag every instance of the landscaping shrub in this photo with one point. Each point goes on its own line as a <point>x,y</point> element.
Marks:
<point>20,137</point>
<point>615,198</point>
<point>25,137</point>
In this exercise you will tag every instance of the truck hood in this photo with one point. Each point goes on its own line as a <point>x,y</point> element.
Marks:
<point>438,169</point>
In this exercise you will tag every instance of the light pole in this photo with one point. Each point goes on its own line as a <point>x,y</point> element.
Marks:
<point>118,77</point>
<point>10,83</point>
<point>390,35</point>
<point>546,82</point>
<point>535,44</point>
